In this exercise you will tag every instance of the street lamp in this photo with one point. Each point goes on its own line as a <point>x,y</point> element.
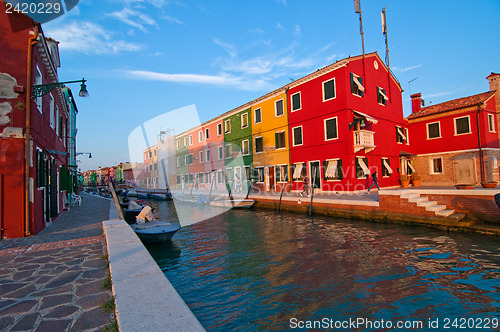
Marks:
<point>42,89</point>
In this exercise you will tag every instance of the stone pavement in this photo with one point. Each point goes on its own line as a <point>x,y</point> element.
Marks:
<point>54,281</point>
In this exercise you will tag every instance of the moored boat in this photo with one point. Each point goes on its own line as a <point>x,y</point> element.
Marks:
<point>155,231</point>
<point>236,204</point>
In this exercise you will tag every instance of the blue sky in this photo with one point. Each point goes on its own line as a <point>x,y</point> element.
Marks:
<point>144,58</point>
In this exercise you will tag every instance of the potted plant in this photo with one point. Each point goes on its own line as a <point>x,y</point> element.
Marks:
<point>405,180</point>
<point>415,179</point>
<point>489,184</point>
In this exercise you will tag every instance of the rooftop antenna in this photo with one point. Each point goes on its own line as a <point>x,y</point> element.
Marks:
<point>357,9</point>
<point>384,31</point>
<point>409,84</point>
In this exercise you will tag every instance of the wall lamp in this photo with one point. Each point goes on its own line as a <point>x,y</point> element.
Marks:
<point>79,153</point>
<point>42,89</point>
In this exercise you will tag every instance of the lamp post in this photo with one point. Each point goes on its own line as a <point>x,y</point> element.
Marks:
<point>42,89</point>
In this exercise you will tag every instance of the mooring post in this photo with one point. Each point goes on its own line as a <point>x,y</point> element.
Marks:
<point>312,192</point>
<point>281,195</point>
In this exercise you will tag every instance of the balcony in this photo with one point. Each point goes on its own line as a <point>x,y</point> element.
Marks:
<point>363,139</point>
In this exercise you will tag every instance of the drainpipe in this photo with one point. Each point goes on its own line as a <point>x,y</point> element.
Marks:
<point>481,156</point>
<point>29,70</point>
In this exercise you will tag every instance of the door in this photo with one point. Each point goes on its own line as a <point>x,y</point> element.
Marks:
<point>270,177</point>
<point>465,170</point>
<point>315,174</point>
<point>53,189</point>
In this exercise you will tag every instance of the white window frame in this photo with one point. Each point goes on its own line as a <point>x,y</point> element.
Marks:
<point>185,141</point>
<point>427,129</point>
<point>337,127</point>
<point>243,147</point>
<point>242,116</point>
<point>255,115</point>
<point>255,144</point>
<point>301,134</point>
<point>263,174</point>
<point>207,155</point>
<point>336,160</point>
<point>431,166</point>
<point>200,136</point>
<point>219,129</point>
<point>300,100</point>
<point>190,140</point>
<point>186,160</point>
<point>200,157</point>
<point>220,152</point>
<point>220,176</point>
<point>284,135</point>
<point>299,178</point>
<point>381,91</point>
<point>230,154</point>
<point>178,161</point>
<point>334,89</point>
<point>178,144</point>
<point>276,107</point>
<point>52,110</point>
<point>387,166</point>
<point>366,169</point>
<point>192,158</point>
<point>455,125</point>
<point>276,172</point>
<point>491,123</point>
<point>359,85</point>
<point>227,126</point>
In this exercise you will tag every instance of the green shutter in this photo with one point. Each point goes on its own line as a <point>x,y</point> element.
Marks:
<point>276,140</point>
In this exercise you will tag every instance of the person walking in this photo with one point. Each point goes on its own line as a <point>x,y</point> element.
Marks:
<point>306,186</point>
<point>374,182</point>
<point>237,184</point>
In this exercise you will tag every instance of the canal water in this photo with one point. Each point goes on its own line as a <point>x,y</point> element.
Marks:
<point>263,271</point>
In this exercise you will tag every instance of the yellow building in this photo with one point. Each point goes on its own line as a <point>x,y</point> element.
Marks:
<point>270,141</point>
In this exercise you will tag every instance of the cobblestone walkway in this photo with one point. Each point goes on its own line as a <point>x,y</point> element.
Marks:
<point>48,285</point>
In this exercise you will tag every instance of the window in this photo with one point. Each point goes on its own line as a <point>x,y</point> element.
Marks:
<point>279,138</point>
<point>59,122</point>
<point>227,126</point>
<point>244,120</point>
<point>491,122</point>
<point>298,171</point>
<point>200,136</point>
<point>362,170</point>
<point>155,166</point>
<point>221,153</point>
<point>154,152</point>
<point>190,158</point>
<point>229,174</point>
<point>401,135</point>
<point>201,157</point>
<point>40,175</point>
<point>201,178</point>
<point>178,144</point>
<point>52,111</point>
<point>207,154</point>
<point>150,154</point>
<point>381,96</point>
<point>436,165</point>
<point>331,129</point>
<point>220,176</point>
<point>332,169</point>
<point>462,125</point>
<point>282,173</point>
<point>433,130</point>
<point>246,173</point>
<point>38,80</point>
<point>357,85</point>
<point>258,174</point>
<point>245,147</point>
<point>257,115</point>
<point>207,177</point>
<point>219,129</point>
<point>296,105</point>
<point>229,151</point>
<point>190,139</point>
<point>297,136</point>
<point>386,167</point>
<point>178,161</point>
<point>278,106</point>
<point>185,141</point>
<point>259,144</point>
<point>329,90</point>
<point>186,161</point>
<point>207,134</point>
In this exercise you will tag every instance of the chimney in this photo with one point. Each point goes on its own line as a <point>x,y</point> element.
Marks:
<point>494,80</point>
<point>416,102</point>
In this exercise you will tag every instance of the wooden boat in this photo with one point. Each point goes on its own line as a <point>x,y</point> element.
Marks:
<point>155,231</point>
<point>161,197</point>
<point>132,193</point>
<point>238,204</point>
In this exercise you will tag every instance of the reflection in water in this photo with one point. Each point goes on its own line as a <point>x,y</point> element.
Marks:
<point>255,270</point>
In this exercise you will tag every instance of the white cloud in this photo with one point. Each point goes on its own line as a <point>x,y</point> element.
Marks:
<point>87,37</point>
<point>134,18</point>
<point>402,70</point>
<point>280,27</point>
<point>171,19</point>
<point>296,32</point>
<point>229,48</point>
<point>217,80</point>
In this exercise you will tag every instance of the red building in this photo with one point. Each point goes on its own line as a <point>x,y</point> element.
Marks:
<point>457,142</point>
<point>34,172</point>
<point>346,122</point>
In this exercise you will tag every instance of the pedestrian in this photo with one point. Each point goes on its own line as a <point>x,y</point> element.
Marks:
<point>237,184</point>
<point>306,186</point>
<point>374,182</point>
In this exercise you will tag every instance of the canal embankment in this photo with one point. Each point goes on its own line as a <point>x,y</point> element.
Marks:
<point>445,208</point>
<point>145,299</point>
